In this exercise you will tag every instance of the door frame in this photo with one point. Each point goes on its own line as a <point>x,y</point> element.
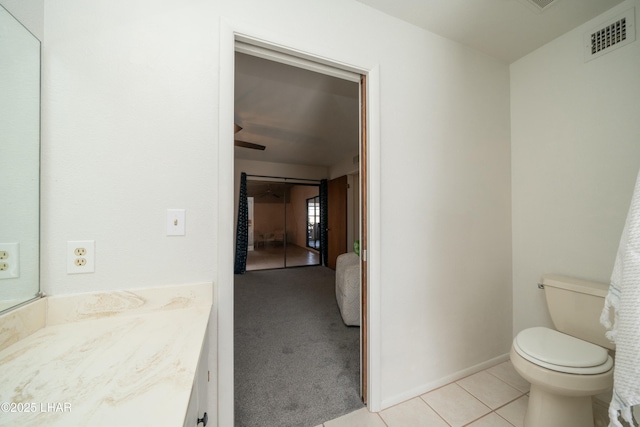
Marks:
<point>221,320</point>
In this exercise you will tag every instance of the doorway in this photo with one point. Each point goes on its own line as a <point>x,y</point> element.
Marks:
<point>286,119</point>
<point>290,118</point>
<point>221,326</point>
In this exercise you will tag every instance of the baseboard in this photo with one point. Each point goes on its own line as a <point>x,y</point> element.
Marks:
<point>417,391</point>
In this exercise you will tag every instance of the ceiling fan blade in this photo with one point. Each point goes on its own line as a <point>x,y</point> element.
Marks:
<point>251,145</point>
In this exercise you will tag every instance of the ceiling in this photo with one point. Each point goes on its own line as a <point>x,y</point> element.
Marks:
<point>306,118</point>
<point>504,29</point>
<point>301,117</point>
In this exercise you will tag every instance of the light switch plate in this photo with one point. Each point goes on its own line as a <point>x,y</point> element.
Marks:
<point>176,222</point>
<point>9,260</point>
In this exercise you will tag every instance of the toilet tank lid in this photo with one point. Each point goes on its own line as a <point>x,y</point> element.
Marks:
<point>576,285</point>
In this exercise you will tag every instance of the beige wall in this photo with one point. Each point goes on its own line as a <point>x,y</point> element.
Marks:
<point>268,217</point>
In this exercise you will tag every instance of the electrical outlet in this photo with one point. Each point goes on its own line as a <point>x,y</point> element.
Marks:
<point>9,260</point>
<point>81,256</point>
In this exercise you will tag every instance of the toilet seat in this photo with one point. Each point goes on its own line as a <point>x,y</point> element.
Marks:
<point>561,352</point>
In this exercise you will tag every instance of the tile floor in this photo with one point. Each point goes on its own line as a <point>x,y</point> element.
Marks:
<point>495,397</point>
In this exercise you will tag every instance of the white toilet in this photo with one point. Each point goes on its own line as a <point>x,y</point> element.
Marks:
<point>567,366</point>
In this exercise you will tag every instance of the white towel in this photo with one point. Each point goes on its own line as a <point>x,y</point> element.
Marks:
<point>624,298</point>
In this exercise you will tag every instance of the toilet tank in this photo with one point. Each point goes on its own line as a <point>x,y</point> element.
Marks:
<point>575,306</point>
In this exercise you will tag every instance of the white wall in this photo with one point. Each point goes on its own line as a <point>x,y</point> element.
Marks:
<point>345,167</point>
<point>575,156</point>
<point>130,129</point>
<point>446,236</point>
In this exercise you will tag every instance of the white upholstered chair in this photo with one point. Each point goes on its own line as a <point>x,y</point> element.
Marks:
<point>348,288</point>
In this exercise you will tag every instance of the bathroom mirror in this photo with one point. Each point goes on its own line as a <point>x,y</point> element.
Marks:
<point>19,163</point>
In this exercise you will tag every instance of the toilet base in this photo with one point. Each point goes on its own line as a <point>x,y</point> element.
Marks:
<point>552,410</point>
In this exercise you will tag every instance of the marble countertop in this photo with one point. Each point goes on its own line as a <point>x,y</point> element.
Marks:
<point>118,368</point>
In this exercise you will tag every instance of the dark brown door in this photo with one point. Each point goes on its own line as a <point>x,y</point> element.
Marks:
<point>337,219</point>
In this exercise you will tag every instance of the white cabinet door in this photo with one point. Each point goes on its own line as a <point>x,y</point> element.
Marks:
<point>198,404</point>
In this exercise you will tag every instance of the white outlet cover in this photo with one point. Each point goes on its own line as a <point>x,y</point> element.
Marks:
<point>90,256</point>
<point>175,222</point>
<point>13,260</point>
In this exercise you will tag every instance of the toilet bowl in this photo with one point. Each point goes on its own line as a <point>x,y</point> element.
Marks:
<point>564,373</point>
<point>565,367</point>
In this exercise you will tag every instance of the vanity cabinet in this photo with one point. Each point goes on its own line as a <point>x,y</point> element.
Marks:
<point>197,411</point>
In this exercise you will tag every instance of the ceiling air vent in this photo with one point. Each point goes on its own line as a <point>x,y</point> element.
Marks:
<point>610,35</point>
